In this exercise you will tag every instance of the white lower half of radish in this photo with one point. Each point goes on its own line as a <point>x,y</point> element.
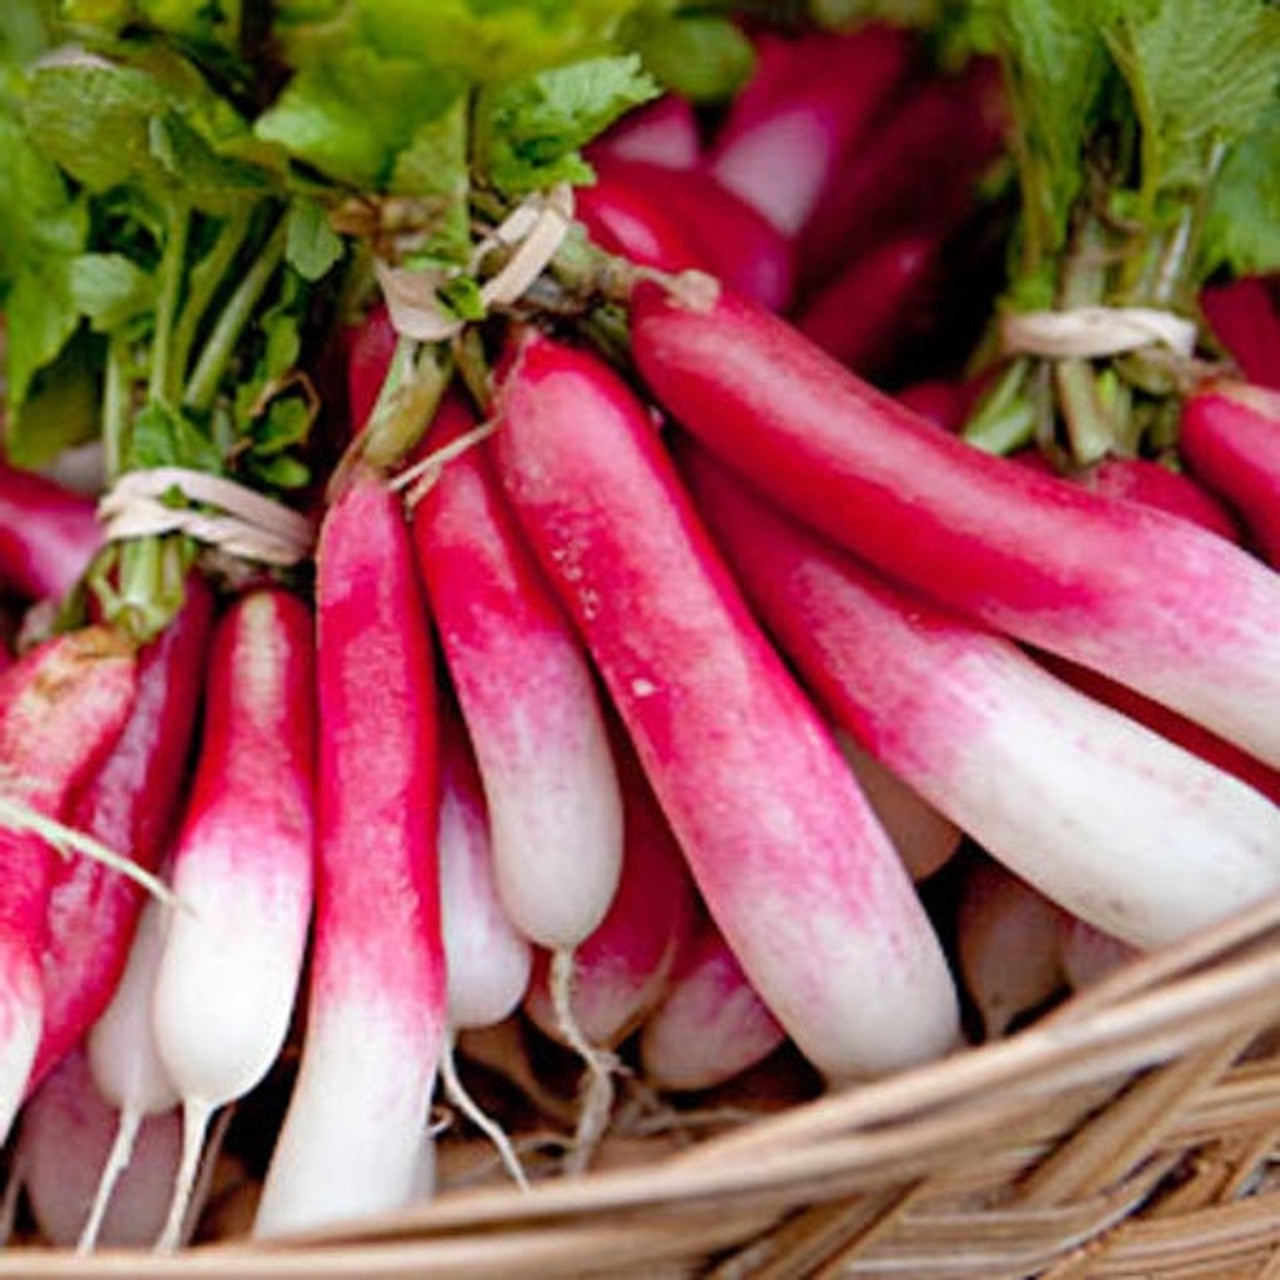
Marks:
<point>240,946</point>
<point>352,1141</point>
<point>1136,836</point>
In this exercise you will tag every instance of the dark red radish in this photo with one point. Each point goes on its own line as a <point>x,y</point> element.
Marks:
<point>355,1131</point>
<point>1144,597</point>
<point>1230,440</point>
<point>62,708</point>
<point>1111,821</point>
<point>129,805</point>
<point>1244,316</point>
<point>872,309</point>
<point>815,97</point>
<point>48,534</point>
<point>711,1025</point>
<point>662,132</point>
<point>796,870</point>
<point>739,246</point>
<point>918,171</point>
<point>243,868</point>
<point>623,217</point>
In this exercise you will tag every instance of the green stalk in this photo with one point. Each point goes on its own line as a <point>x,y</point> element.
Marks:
<point>205,278</point>
<point>115,407</point>
<point>220,348</point>
<point>165,378</point>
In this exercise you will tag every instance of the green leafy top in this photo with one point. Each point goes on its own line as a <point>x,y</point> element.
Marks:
<point>1146,142</point>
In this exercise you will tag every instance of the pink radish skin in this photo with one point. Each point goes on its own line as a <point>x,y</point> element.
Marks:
<point>663,132</point>
<point>1144,597</point>
<point>242,868</point>
<point>488,960</point>
<point>48,534</point>
<point>736,243</point>
<point>67,1129</point>
<point>1112,822</point>
<point>621,970</point>
<point>711,1025</point>
<point>62,708</point>
<point>780,150</point>
<point>799,875</point>
<point>867,313</point>
<point>1007,946</point>
<point>1245,318</point>
<point>355,1130</point>
<point>372,345</point>
<point>129,805</point>
<point>925,839</point>
<point>917,172</point>
<point>125,1066</point>
<point>1230,439</point>
<point>936,400</point>
<point>529,701</point>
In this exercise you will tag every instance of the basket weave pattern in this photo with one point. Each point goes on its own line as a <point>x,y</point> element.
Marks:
<point>1127,1135</point>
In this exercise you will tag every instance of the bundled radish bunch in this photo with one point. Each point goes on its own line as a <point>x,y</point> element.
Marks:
<point>506,601</point>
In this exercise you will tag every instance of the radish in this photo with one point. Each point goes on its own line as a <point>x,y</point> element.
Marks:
<point>48,534</point>
<point>661,132</point>
<point>869,311</point>
<point>1109,820</point>
<point>372,346</point>
<point>487,960</point>
<point>242,870</point>
<point>67,1128</point>
<point>917,172</point>
<point>625,218</point>
<point>711,1024</point>
<point>129,805</point>
<point>1088,955</point>
<point>1146,598</point>
<point>1230,438</point>
<point>125,1068</point>
<point>936,400</point>
<point>738,245</point>
<point>62,708</point>
<point>356,1127</point>
<point>800,877</point>
<point>1007,946</point>
<point>622,969</point>
<point>550,785</point>
<point>1243,316</point>
<point>925,839</point>
<point>781,147</point>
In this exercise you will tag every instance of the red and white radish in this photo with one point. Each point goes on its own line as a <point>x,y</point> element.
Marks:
<point>1144,597</point>
<point>1230,439</point>
<point>356,1127</point>
<point>130,805</point>
<point>1109,820</point>
<point>488,961</point>
<point>792,863</point>
<point>242,871</point>
<point>711,1025</point>
<point>662,132</point>
<point>62,708</point>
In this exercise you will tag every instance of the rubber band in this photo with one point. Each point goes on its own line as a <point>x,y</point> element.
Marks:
<point>247,524</point>
<point>1089,333</point>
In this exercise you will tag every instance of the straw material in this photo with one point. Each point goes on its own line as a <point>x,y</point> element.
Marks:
<point>1128,1135</point>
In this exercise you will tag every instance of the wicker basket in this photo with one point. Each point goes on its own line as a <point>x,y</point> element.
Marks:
<point>1130,1133</point>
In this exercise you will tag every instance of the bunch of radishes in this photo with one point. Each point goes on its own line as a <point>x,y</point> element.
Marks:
<point>631,703</point>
